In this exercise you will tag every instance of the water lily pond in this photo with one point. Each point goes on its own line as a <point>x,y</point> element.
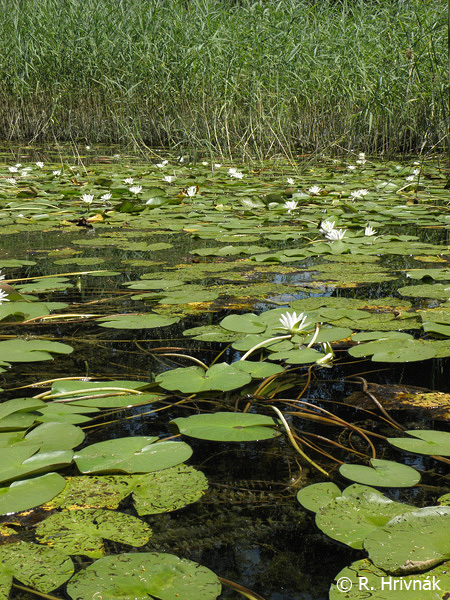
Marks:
<point>223,380</point>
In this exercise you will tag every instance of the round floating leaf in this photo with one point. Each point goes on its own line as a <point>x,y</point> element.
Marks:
<point>382,473</point>
<point>143,576</point>
<point>168,490</point>
<point>303,356</point>
<point>428,442</point>
<point>119,401</point>
<point>349,517</point>
<point>58,412</point>
<point>412,542</point>
<point>38,567</point>
<point>18,350</point>
<point>258,370</point>
<point>248,323</point>
<point>315,496</point>
<point>147,321</point>
<point>362,580</point>
<point>395,350</point>
<point>23,459</point>
<point>73,389</point>
<point>9,407</point>
<point>82,531</point>
<point>94,491</point>
<point>22,495</point>
<point>55,436</point>
<point>131,455</point>
<point>221,376</point>
<point>227,427</point>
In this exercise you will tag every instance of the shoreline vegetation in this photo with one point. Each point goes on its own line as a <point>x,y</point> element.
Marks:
<point>244,79</point>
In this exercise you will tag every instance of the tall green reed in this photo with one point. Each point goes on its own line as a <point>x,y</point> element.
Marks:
<point>239,78</point>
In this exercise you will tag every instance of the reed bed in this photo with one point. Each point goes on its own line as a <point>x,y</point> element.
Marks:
<point>233,78</point>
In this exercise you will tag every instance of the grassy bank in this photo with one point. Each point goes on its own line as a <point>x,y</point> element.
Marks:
<point>236,78</point>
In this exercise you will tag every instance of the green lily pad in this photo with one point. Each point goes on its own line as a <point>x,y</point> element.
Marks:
<point>35,566</point>
<point>412,542</point>
<point>314,497</point>
<point>23,495</point>
<point>351,516</point>
<point>390,349</point>
<point>227,427</point>
<point>131,455</point>
<point>362,580</point>
<point>147,321</point>
<point>18,350</point>
<point>83,531</point>
<point>382,473</point>
<point>168,490</point>
<point>247,323</point>
<point>55,436</point>
<point>58,412</point>
<point>8,407</point>
<point>428,442</point>
<point>22,460</point>
<point>145,576</point>
<point>221,376</point>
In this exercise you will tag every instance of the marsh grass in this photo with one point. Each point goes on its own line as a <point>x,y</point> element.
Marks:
<point>234,78</point>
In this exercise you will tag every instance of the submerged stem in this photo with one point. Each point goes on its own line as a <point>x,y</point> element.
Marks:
<point>263,343</point>
<point>294,443</point>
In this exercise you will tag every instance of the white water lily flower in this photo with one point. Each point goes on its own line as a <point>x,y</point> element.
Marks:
<point>327,226</point>
<point>233,172</point>
<point>335,234</point>
<point>40,164</point>
<point>11,180</point>
<point>314,190</point>
<point>88,198</point>
<point>1,274</point>
<point>191,191</point>
<point>410,178</point>
<point>88,147</point>
<point>168,178</point>
<point>290,205</point>
<point>13,169</point>
<point>359,193</point>
<point>136,189</point>
<point>57,172</point>
<point>327,359</point>
<point>293,323</point>
<point>290,181</point>
<point>217,165</point>
<point>369,230</point>
<point>361,159</point>
<point>129,180</point>
<point>204,163</point>
<point>416,172</point>
<point>3,296</point>
<point>162,164</point>
<point>106,196</point>
<point>351,167</point>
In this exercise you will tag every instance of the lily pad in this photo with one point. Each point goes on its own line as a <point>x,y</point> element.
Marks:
<point>131,455</point>
<point>428,442</point>
<point>83,531</point>
<point>227,427</point>
<point>362,579</point>
<point>147,321</point>
<point>381,473</point>
<point>221,376</point>
<point>351,516</point>
<point>315,496</point>
<point>38,567</point>
<point>168,490</point>
<point>145,576</point>
<point>412,542</point>
<point>23,495</point>
<point>22,460</point>
<point>18,350</point>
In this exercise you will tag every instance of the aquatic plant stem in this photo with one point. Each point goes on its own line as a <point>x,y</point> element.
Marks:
<point>241,589</point>
<point>294,443</point>
<point>263,343</point>
<point>35,592</point>
<point>196,360</point>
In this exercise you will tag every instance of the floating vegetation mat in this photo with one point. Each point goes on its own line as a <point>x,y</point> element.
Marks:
<point>163,312</point>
